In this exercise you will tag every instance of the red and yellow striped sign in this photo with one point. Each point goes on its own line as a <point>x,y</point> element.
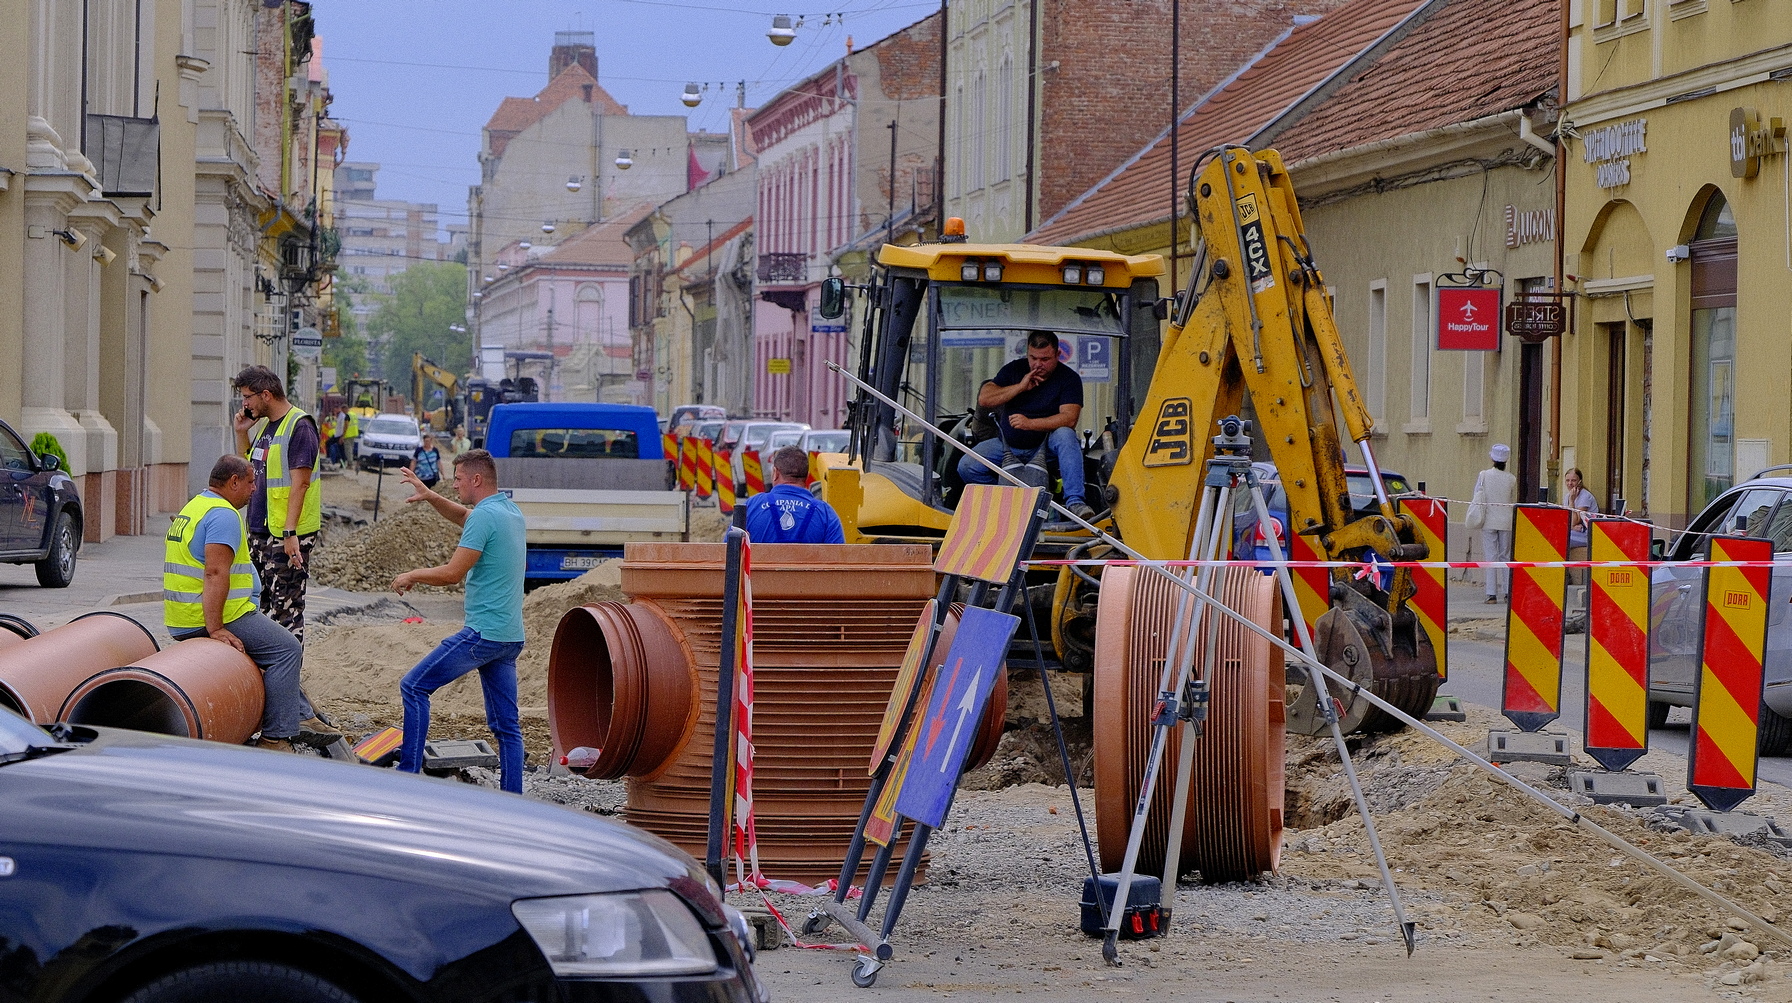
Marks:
<point>816,471</point>
<point>880,828</point>
<point>724,482</point>
<point>1431,600</point>
<point>1312,586</point>
<point>669,445</point>
<point>754,470</point>
<point>907,678</point>
<point>986,533</point>
<point>1727,708</point>
<point>1618,645</point>
<point>1531,696</point>
<point>687,464</point>
<point>706,468</point>
<point>379,745</point>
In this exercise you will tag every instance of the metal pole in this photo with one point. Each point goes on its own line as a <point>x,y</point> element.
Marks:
<point>722,760</point>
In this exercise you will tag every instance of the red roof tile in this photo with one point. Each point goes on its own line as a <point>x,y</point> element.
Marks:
<point>1468,60</point>
<point>1138,193</point>
<point>516,114</point>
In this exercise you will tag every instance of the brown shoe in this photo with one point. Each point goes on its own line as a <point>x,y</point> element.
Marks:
<point>314,732</point>
<point>275,744</point>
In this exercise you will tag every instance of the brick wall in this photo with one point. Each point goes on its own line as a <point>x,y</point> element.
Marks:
<point>1108,95</point>
<point>908,62</point>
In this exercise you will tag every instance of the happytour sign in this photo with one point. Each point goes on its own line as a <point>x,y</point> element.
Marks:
<point>1468,319</point>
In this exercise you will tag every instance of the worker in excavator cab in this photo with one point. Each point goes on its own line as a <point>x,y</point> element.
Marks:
<point>1036,402</point>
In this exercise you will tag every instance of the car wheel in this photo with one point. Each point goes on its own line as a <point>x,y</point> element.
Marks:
<point>233,981</point>
<point>57,569</point>
<point>1775,736</point>
<point>1658,713</point>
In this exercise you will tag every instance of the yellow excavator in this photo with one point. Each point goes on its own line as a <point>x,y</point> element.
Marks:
<point>427,377</point>
<point>1252,335</point>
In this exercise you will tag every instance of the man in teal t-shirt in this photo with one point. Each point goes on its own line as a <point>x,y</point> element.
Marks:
<point>491,558</point>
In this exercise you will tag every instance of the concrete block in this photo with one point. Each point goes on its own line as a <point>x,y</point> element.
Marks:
<point>458,754</point>
<point>1446,708</point>
<point>1528,747</point>
<point>1640,790</point>
<point>1725,823</point>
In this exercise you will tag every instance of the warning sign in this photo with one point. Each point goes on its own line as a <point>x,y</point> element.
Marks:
<point>1532,694</point>
<point>1618,645</point>
<point>1468,319</point>
<point>1727,706</point>
<point>1431,526</point>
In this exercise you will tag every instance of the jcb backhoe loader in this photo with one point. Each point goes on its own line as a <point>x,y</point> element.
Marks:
<point>1255,320</point>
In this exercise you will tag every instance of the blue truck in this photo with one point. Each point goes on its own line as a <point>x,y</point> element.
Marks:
<point>589,478</point>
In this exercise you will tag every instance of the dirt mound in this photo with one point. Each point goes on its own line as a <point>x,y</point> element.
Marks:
<point>708,525</point>
<point>366,560</point>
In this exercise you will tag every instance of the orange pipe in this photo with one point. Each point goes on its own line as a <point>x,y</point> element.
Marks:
<point>37,675</point>
<point>198,688</point>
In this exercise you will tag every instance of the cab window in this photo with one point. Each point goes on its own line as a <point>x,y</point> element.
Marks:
<point>1744,514</point>
<point>574,443</point>
<point>13,454</point>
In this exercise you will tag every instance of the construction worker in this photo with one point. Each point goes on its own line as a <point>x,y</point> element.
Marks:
<point>208,590</point>
<point>332,433</point>
<point>788,512</point>
<point>491,558</point>
<point>285,513</point>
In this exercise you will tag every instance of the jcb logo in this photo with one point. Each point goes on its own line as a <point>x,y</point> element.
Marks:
<point>1171,442</point>
<point>1736,600</point>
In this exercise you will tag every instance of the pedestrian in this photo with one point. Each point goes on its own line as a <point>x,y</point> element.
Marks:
<point>460,443</point>
<point>429,462</point>
<point>788,512</point>
<point>209,591</point>
<point>491,559</point>
<point>1491,511</point>
<point>328,430</point>
<point>285,513</point>
<point>1580,527</point>
<point>339,437</point>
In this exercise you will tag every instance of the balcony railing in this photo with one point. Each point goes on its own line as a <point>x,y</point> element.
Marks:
<point>783,267</point>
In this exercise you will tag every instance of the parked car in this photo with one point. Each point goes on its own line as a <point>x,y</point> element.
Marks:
<point>1246,535</point>
<point>754,435</point>
<point>40,512</point>
<point>1758,507</point>
<point>154,868</point>
<point>684,416</point>
<point>388,440</point>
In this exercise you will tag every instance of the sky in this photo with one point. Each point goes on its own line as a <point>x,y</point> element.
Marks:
<point>415,80</point>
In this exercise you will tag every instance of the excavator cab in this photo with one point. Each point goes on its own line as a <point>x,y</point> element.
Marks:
<point>944,318</point>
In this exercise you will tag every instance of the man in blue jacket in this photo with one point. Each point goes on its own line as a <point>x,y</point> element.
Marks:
<point>788,513</point>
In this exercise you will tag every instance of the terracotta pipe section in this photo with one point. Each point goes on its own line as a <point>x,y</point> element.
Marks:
<point>37,675</point>
<point>14,629</point>
<point>199,688</point>
<point>637,680</point>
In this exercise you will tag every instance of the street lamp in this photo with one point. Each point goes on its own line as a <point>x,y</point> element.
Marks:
<point>623,160</point>
<point>783,32</point>
<point>547,227</point>
<point>692,96</point>
<point>524,245</point>
<point>574,183</point>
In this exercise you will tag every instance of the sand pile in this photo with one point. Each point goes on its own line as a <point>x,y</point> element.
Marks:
<point>366,560</point>
<point>708,525</point>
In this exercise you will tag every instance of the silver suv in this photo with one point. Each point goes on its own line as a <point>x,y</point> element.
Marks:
<point>1759,507</point>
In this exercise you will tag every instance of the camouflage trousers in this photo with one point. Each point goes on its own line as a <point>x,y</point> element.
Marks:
<point>282,585</point>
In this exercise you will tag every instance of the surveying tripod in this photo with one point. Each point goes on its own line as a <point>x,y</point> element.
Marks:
<point>1183,696</point>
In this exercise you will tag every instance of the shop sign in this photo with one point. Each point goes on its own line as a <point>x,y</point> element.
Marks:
<point>1534,321</point>
<point>1529,226</point>
<point>1750,140</point>
<point>778,367</point>
<point>1468,319</point>
<point>1610,148</point>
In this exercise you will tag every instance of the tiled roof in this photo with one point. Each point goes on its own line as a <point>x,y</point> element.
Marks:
<point>516,114</point>
<point>1468,60</point>
<point>602,244</point>
<point>1138,194</point>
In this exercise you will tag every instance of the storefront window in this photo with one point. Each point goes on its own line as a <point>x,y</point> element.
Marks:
<point>1712,389</point>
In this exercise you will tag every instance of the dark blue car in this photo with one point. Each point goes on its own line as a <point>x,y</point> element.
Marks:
<point>40,512</point>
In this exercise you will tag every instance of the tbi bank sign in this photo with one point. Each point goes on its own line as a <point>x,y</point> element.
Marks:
<point>1468,319</point>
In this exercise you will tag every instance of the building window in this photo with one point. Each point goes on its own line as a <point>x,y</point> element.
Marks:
<point>1712,389</point>
<point>1421,347</point>
<point>979,129</point>
<point>958,160</point>
<point>1005,118</point>
<point>1376,368</point>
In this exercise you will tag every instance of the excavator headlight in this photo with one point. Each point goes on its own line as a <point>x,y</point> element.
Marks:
<point>992,271</point>
<point>1073,274</point>
<point>969,271</point>
<point>1094,275</point>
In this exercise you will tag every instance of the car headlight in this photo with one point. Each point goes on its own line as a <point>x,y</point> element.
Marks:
<point>742,930</point>
<point>623,934</point>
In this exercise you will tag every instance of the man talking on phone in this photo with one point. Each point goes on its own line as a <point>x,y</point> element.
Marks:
<point>1036,401</point>
<point>286,510</point>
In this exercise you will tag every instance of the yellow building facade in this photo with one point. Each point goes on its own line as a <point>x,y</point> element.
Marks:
<point>1678,230</point>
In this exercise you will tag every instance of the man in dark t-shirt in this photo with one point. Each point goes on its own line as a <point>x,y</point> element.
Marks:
<point>1036,401</point>
<point>284,512</point>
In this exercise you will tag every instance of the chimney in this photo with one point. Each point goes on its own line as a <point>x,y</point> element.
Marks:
<point>573,47</point>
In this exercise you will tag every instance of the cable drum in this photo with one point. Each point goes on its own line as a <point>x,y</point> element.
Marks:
<point>1233,826</point>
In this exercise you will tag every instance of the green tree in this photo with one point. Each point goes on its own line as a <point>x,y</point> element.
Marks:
<point>348,353</point>
<point>426,299</point>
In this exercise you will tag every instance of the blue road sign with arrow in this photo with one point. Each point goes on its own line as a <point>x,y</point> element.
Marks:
<point>954,714</point>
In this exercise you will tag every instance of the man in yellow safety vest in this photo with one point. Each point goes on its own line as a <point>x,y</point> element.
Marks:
<point>286,511</point>
<point>208,590</point>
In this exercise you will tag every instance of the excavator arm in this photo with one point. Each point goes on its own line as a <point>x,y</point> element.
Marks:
<point>1257,319</point>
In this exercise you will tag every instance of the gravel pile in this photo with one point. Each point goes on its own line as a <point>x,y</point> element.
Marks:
<point>366,560</point>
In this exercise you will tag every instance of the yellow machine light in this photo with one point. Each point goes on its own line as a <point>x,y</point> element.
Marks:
<point>968,271</point>
<point>1073,274</point>
<point>1094,275</point>
<point>954,226</point>
<point>992,271</point>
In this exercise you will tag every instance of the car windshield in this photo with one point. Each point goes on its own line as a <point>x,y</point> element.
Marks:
<point>708,430</point>
<point>1362,489</point>
<point>574,443</point>
<point>756,434</point>
<point>829,442</point>
<point>19,736</point>
<point>389,426</point>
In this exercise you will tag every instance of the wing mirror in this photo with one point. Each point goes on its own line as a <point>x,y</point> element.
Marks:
<point>1658,549</point>
<point>48,462</point>
<point>833,297</point>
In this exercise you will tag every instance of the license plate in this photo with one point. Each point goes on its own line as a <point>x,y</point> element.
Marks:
<point>572,562</point>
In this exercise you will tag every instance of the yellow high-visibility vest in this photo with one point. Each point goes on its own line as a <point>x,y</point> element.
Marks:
<point>183,576</point>
<point>279,479</point>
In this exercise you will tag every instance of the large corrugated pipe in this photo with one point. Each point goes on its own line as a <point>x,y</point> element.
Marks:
<point>38,674</point>
<point>14,629</point>
<point>198,688</point>
<point>621,680</point>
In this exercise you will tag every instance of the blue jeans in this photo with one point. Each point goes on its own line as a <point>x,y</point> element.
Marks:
<point>460,654</point>
<point>1063,443</point>
<point>278,655</point>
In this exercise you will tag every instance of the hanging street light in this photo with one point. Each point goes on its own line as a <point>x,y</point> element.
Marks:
<point>783,32</point>
<point>524,245</point>
<point>574,183</point>
<point>547,228</point>
<point>623,160</point>
<point>692,96</point>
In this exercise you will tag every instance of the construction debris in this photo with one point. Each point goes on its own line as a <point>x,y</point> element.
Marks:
<point>404,538</point>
